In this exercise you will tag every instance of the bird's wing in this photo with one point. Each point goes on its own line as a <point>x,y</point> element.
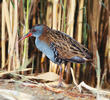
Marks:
<point>67,47</point>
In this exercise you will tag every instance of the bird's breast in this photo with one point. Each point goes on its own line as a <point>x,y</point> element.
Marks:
<point>44,48</point>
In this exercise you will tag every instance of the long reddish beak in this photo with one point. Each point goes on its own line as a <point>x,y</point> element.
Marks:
<point>26,36</point>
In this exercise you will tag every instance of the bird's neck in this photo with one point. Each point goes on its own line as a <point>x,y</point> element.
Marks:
<point>38,35</point>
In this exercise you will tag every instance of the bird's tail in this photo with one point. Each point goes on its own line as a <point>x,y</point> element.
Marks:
<point>89,56</point>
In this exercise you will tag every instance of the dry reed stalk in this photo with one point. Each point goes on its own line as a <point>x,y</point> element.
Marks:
<point>77,73</point>
<point>71,6</point>
<point>49,21</point>
<point>14,28</point>
<point>95,28</point>
<point>92,39</point>
<point>59,16</point>
<point>21,26</point>
<point>40,15</point>
<point>104,42</point>
<point>70,16</point>
<point>73,76</point>
<point>80,21</point>
<point>33,3</point>
<point>89,17</point>
<point>107,48</point>
<point>17,53</point>
<point>61,21</point>
<point>49,14</point>
<point>34,12</point>
<point>59,13</point>
<point>11,14</point>
<point>64,15</point>
<point>94,51</point>
<point>3,37</point>
<point>25,51</point>
<point>79,32</point>
<point>9,29</point>
<point>11,10</point>
<point>108,35</point>
<point>55,7</point>
<point>15,43</point>
<point>108,42</point>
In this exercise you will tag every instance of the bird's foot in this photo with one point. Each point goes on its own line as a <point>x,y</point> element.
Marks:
<point>66,69</point>
<point>60,84</point>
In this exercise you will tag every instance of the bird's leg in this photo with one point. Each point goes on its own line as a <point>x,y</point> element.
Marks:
<point>61,77</point>
<point>66,68</point>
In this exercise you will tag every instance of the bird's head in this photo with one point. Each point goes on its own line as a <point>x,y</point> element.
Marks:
<point>35,31</point>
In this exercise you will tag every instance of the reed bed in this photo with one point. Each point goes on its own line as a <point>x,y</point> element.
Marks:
<point>87,21</point>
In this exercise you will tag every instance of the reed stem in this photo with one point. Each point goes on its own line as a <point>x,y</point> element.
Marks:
<point>25,52</point>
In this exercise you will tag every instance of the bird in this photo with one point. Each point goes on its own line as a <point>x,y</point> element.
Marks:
<point>58,46</point>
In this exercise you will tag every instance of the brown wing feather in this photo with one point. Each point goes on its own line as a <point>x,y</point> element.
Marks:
<point>66,47</point>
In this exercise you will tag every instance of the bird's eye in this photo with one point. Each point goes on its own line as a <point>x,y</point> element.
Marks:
<point>33,30</point>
